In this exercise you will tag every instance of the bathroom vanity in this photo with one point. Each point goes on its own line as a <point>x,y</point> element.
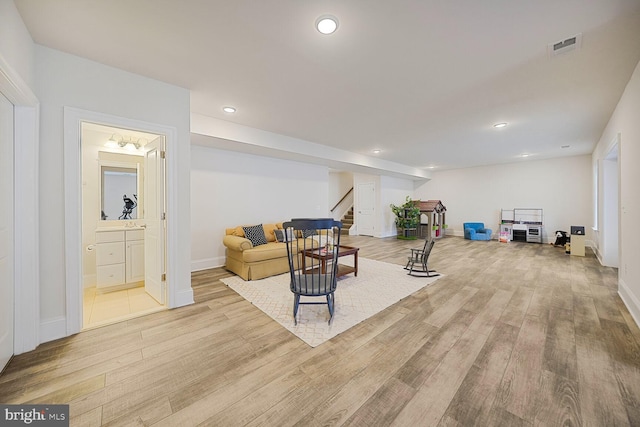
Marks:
<point>119,257</point>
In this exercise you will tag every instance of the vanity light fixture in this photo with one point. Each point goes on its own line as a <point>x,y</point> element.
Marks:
<point>500,125</point>
<point>129,143</point>
<point>228,109</point>
<point>113,141</point>
<point>327,24</point>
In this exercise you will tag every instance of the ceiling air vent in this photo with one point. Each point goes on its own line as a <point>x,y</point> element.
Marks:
<point>565,46</point>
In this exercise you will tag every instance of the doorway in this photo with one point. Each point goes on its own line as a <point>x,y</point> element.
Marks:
<point>73,119</point>
<point>122,238</point>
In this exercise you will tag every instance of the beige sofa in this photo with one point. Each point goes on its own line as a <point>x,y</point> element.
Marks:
<point>253,263</point>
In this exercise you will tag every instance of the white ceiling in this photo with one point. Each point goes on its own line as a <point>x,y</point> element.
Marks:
<point>422,80</point>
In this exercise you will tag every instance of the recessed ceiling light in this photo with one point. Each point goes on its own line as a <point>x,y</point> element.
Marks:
<point>499,125</point>
<point>327,24</point>
<point>229,109</point>
<point>377,151</point>
<point>524,155</point>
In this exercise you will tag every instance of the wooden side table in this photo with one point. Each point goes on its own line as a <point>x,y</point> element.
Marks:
<point>342,251</point>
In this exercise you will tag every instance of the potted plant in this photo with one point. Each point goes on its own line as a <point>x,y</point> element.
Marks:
<point>407,218</point>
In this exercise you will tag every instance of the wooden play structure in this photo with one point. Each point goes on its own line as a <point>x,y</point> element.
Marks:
<point>435,226</point>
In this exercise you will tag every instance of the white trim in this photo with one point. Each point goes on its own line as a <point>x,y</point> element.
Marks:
<point>207,263</point>
<point>27,261</point>
<point>73,222</point>
<point>630,300</point>
<point>73,117</point>
<point>182,297</point>
<point>615,141</point>
<point>53,328</point>
<point>14,88</point>
<point>26,247</point>
<point>185,296</point>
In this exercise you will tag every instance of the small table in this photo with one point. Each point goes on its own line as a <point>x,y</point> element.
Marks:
<point>324,257</point>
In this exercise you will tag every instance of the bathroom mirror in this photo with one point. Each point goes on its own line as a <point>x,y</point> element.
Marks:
<point>119,192</point>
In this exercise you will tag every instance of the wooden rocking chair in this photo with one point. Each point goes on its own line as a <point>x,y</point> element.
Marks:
<point>417,262</point>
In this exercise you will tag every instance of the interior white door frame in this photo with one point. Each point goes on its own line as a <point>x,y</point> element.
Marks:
<point>610,237</point>
<point>7,229</point>
<point>26,247</point>
<point>73,118</point>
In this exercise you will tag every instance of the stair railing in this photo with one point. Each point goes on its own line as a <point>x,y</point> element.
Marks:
<point>342,199</point>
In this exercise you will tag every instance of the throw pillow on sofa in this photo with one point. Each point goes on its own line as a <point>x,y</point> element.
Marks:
<point>255,233</point>
<point>308,233</point>
<point>280,235</point>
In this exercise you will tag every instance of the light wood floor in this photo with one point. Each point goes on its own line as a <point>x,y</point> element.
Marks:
<point>514,334</point>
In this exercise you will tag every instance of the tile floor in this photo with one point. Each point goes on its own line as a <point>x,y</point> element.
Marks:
<point>103,308</point>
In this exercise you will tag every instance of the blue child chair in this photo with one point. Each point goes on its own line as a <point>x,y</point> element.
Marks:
<point>476,231</point>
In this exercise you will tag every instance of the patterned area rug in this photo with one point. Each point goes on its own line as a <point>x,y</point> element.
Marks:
<point>378,285</point>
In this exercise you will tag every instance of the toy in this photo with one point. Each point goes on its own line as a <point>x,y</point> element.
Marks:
<point>561,238</point>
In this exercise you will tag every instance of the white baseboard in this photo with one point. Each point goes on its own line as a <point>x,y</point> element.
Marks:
<point>183,298</point>
<point>598,255</point>
<point>630,300</point>
<point>52,329</point>
<point>204,264</point>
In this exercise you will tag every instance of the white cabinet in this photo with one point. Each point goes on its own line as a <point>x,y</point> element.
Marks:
<point>119,257</point>
<point>135,256</point>
<point>110,256</point>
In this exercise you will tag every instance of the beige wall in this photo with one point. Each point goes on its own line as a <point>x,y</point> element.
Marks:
<point>230,189</point>
<point>65,80</point>
<point>625,123</point>
<point>561,187</point>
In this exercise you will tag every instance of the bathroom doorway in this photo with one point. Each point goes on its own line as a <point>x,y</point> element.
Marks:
<point>123,201</point>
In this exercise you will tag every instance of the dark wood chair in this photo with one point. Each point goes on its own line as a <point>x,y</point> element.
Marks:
<point>313,260</point>
<point>417,262</point>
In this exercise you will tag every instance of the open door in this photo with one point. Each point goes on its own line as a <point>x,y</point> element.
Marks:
<point>154,218</point>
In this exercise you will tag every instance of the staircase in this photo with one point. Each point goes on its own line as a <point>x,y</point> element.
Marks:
<point>347,221</point>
